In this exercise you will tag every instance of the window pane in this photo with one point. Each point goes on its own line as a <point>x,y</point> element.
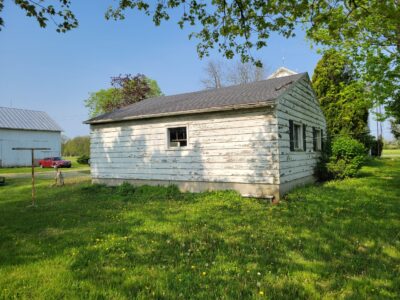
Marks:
<point>181,134</point>
<point>318,139</point>
<point>172,135</point>
<point>177,137</point>
<point>296,136</point>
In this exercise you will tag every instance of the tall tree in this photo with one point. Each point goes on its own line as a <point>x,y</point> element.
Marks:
<point>342,96</point>
<point>368,30</point>
<point>125,90</point>
<point>395,126</point>
<point>394,112</point>
<point>57,12</point>
<point>239,73</point>
<point>103,101</point>
<point>214,75</point>
<point>219,74</point>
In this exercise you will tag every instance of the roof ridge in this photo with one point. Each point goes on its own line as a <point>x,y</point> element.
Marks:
<point>215,89</point>
<point>230,86</point>
<point>199,101</point>
<point>27,119</point>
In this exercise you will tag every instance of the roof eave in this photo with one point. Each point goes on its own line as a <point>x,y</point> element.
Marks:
<point>31,129</point>
<point>186,112</point>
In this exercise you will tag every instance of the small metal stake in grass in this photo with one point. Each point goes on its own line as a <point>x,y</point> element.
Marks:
<point>33,168</point>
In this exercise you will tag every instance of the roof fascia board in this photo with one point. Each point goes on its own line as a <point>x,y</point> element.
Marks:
<point>27,129</point>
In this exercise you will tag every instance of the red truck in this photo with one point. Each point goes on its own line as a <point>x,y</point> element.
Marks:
<point>54,162</point>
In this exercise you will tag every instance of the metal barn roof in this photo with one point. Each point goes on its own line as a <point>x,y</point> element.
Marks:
<point>15,118</point>
<point>254,94</point>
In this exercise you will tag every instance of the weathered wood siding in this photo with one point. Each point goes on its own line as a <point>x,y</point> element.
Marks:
<point>238,146</point>
<point>300,105</point>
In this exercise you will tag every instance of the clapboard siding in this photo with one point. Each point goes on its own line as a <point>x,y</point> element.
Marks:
<point>196,178</point>
<point>240,125</point>
<point>243,146</point>
<point>239,146</point>
<point>230,158</point>
<point>127,141</point>
<point>256,148</point>
<point>300,105</point>
<point>199,133</point>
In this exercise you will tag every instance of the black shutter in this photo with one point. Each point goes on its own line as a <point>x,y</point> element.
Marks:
<point>304,137</point>
<point>291,135</point>
<point>314,137</point>
<point>322,140</point>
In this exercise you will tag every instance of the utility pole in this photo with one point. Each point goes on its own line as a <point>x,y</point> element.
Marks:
<point>33,168</point>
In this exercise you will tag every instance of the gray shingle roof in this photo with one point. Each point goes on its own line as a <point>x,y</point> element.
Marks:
<point>256,93</point>
<point>15,118</point>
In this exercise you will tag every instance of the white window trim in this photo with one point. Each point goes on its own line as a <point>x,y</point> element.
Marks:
<point>167,145</point>
<point>301,147</point>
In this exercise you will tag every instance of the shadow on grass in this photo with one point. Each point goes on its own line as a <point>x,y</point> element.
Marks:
<point>337,239</point>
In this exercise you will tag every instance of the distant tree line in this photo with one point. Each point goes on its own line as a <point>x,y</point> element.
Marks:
<point>77,146</point>
<point>395,144</point>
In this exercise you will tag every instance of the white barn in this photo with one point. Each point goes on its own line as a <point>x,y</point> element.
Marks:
<point>261,139</point>
<point>27,128</point>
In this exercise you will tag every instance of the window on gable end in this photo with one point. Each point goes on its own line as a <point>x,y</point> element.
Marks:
<point>317,139</point>
<point>297,136</point>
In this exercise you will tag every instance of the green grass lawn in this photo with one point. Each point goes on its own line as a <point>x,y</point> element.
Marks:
<point>17,170</point>
<point>337,240</point>
<point>391,152</point>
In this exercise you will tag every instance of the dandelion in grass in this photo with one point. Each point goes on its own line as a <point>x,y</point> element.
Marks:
<point>204,273</point>
<point>261,293</point>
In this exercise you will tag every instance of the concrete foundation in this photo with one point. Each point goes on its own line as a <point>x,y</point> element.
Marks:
<point>257,190</point>
<point>286,187</point>
<point>245,189</point>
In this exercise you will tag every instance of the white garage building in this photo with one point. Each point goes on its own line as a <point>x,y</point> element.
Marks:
<point>27,128</point>
<point>261,139</point>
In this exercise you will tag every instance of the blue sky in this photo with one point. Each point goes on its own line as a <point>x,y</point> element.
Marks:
<point>44,70</point>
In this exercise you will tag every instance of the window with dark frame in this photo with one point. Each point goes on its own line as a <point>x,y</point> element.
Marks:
<point>177,137</point>
<point>317,139</point>
<point>297,135</point>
